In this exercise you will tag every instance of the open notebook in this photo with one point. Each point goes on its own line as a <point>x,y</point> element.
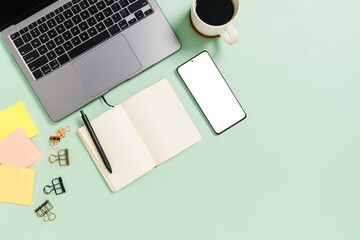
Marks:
<point>141,133</point>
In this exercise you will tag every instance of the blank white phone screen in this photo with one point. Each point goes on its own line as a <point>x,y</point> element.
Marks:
<point>211,92</point>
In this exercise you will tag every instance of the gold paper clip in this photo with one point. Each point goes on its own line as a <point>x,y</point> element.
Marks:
<point>54,141</point>
<point>62,157</point>
<point>44,211</point>
<point>62,131</point>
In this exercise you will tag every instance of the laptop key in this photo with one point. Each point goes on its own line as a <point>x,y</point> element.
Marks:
<point>123,24</point>
<point>18,42</point>
<point>116,17</point>
<point>99,16</point>
<point>67,5</point>
<point>52,33</point>
<point>93,10</point>
<point>67,13</point>
<point>24,30</point>
<point>124,13</point>
<point>115,7</point>
<point>68,46</point>
<point>84,36</point>
<point>32,25</point>
<point>76,19</point>
<point>91,2</point>
<point>147,12</point>
<point>84,4</point>
<point>37,74</point>
<point>88,44</point>
<point>75,30</point>
<point>35,43</point>
<point>59,50</point>
<point>26,37</point>
<point>92,31</point>
<point>123,3</point>
<point>84,14</point>
<point>108,22</point>
<point>54,64</point>
<point>35,32</point>
<point>75,1</point>
<point>60,29</point>
<point>68,24</point>
<point>67,35</point>
<point>43,28</point>
<point>109,2</point>
<point>50,44</point>
<point>51,55</point>
<point>59,40</point>
<point>44,38</point>
<point>83,26</point>
<point>100,27</point>
<point>37,63</point>
<point>46,69</point>
<point>59,18</point>
<point>139,15</point>
<point>76,9</point>
<point>15,35</point>
<point>137,5</point>
<point>41,20</point>
<point>75,41</point>
<point>101,5</point>
<point>63,59</point>
<point>50,15</point>
<point>42,49</point>
<point>107,11</point>
<point>91,21</point>
<point>51,23</point>
<point>31,56</point>
<point>132,21</point>
<point>25,49</point>
<point>59,10</point>
<point>114,29</point>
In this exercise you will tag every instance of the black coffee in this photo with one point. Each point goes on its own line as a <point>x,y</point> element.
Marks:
<point>215,12</point>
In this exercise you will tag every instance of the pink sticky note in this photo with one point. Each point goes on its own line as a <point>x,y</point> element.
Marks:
<point>18,150</point>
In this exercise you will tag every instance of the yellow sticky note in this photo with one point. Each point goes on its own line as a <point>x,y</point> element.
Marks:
<point>16,185</point>
<point>15,117</point>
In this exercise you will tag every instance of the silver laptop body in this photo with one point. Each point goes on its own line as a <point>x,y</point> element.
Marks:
<point>88,75</point>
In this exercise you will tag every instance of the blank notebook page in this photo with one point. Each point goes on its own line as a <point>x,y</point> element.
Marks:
<point>128,157</point>
<point>162,121</point>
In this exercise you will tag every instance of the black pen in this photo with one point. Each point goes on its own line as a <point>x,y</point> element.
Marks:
<point>96,141</point>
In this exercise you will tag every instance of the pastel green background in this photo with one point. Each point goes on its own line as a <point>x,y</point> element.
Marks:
<point>289,171</point>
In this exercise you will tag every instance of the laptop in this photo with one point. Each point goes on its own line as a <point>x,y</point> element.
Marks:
<point>72,52</point>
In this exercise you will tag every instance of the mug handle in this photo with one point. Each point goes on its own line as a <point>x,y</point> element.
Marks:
<point>230,35</point>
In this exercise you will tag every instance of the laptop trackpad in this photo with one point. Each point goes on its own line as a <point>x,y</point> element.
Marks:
<point>107,65</point>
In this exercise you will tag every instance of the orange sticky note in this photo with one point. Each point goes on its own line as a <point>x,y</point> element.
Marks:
<point>16,185</point>
<point>18,150</point>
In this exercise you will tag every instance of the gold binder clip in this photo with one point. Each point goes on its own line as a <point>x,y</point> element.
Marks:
<point>62,157</point>
<point>44,211</point>
<point>54,140</point>
<point>62,131</point>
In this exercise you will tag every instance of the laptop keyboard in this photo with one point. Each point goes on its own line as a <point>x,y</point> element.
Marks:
<point>74,28</point>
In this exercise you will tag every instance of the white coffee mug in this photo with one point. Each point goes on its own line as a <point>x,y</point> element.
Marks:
<point>226,31</point>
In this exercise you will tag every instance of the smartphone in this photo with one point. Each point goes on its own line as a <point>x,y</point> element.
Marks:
<point>211,92</point>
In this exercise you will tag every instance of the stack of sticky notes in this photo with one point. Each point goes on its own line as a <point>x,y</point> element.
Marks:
<point>17,153</point>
